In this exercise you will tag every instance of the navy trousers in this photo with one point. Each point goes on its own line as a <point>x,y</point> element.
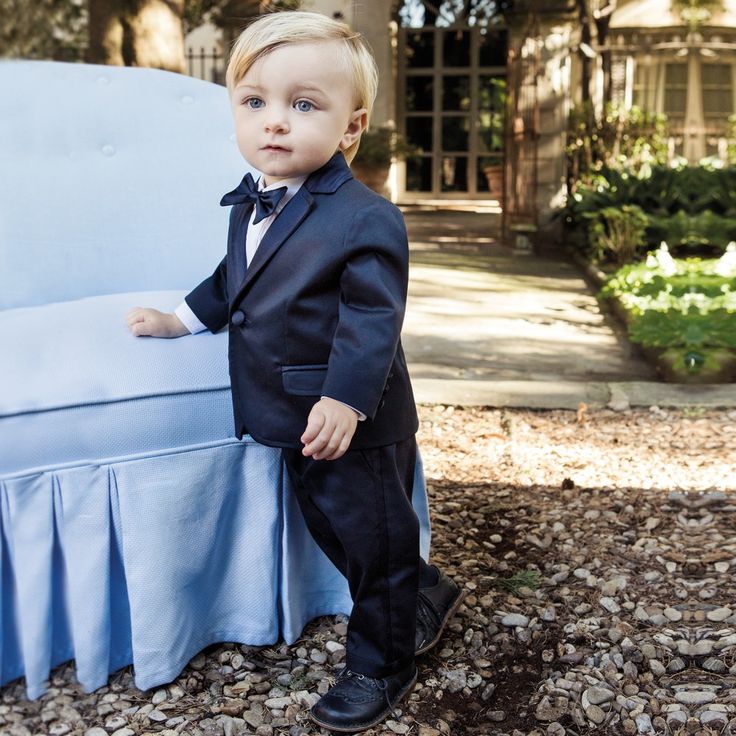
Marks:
<point>358,510</point>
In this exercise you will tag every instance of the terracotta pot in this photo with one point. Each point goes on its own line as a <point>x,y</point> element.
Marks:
<point>494,176</point>
<point>372,176</point>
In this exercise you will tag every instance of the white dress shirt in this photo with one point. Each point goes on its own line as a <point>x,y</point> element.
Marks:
<point>253,239</point>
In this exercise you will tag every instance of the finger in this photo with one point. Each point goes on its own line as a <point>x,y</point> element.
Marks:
<point>320,441</point>
<point>342,448</point>
<point>134,318</point>
<point>330,444</point>
<point>315,422</point>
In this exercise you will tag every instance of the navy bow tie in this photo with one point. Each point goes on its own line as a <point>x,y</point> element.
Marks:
<point>247,191</point>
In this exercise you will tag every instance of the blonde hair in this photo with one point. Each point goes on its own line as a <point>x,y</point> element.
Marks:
<point>278,29</point>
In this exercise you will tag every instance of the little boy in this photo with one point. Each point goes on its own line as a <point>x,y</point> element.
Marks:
<point>313,291</point>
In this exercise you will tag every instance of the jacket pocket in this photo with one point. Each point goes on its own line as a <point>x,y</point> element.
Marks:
<point>303,380</point>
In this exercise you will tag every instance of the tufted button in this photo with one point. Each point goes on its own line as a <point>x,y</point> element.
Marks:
<point>108,150</point>
<point>237,318</point>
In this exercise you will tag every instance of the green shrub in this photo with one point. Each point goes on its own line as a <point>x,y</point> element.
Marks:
<point>688,305</point>
<point>618,232</point>
<point>693,208</point>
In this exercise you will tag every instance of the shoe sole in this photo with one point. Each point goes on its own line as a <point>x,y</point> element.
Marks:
<point>365,726</point>
<point>451,611</point>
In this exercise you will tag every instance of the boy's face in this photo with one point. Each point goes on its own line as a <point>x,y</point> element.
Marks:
<point>294,109</point>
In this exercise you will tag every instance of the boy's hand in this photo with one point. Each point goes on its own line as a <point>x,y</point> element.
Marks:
<point>147,321</point>
<point>330,427</point>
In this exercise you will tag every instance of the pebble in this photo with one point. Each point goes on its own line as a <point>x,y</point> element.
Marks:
<point>694,697</point>
<point>719,614</point>
<point>657,668</point>
<point>644,723</point>
<point>515,619</point>
<point>159,697</point>
<point>546,711</point>
<point>596,714</point>
<point>610,604</point>
<point>456,680</point>
<point>710,716</point>
<point>598,695</point>
<point>714,665</point>
<point>278,703</point>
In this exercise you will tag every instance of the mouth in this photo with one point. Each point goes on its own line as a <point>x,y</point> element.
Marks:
<point>275,149</point>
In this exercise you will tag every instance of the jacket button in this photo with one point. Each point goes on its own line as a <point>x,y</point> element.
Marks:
<point>237,318</point>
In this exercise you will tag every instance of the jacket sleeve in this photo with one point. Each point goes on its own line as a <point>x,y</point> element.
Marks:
<point>209,300</point>
<point>373,291</point>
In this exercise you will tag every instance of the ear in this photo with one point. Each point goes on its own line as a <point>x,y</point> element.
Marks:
<point>356,125</point>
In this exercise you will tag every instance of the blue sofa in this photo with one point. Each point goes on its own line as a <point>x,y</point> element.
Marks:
<point>134,527</point>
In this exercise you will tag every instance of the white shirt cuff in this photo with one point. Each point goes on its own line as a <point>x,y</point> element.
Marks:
<point>189,319</point>
<point>361,417</point>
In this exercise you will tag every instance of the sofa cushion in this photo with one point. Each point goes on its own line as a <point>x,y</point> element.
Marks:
<point>77,385</point>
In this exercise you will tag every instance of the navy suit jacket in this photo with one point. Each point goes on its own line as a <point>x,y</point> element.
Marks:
<point>318,312</point>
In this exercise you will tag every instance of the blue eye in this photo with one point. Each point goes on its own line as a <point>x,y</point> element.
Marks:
<point>254,103</point>
<point>303,105</point>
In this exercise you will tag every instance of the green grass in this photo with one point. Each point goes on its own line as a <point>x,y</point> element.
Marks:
<point>524,579</point>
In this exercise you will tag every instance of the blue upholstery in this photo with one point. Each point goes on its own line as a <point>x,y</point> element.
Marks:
<point>134,527</point>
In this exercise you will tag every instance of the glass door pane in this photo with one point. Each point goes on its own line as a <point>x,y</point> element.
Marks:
<point>419,49</point>
<point>419,174</point>
<point>454,174</point>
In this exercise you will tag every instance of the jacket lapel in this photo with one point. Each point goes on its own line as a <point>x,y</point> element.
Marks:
<point>284,225</point>
<point>326,180</point>
<point>236,267</point>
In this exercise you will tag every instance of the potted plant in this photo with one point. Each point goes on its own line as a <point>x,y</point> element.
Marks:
<point>491,128</point>
<point>378,147</point>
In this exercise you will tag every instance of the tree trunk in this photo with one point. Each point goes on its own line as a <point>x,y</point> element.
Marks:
<point>137,33</point>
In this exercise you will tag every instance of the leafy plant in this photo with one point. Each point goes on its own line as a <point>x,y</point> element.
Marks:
<point>618,231</point>
<point>523,579</point>
<point>627,139</point>
<point>691,207</point>
<point>378,146</point>
<point>686,306</point>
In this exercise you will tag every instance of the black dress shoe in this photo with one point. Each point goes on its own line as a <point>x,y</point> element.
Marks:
<point>357,702</point>
<point>435,607</point>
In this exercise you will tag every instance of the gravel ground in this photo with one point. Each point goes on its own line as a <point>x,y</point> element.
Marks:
<point>597,551</point>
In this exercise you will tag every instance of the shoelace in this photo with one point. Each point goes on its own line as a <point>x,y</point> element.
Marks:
<point>368,684</point>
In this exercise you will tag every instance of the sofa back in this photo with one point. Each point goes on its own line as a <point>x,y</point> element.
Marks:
<point>110,180</point>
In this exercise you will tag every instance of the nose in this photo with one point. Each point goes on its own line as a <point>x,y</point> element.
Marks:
<point>277,121</point>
